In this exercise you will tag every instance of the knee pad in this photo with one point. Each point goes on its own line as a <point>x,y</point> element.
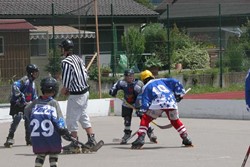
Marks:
<point>173,115</point>
<point>127,121</point>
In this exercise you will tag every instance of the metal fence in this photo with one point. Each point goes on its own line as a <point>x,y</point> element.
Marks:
<point>219,27</point>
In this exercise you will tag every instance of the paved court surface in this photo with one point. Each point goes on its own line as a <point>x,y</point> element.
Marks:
<point>218,143</point>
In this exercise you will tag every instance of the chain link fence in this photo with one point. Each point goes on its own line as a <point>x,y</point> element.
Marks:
<point>222,30</point>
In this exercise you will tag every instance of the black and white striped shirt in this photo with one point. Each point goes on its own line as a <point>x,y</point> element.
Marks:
<point>74,74</point>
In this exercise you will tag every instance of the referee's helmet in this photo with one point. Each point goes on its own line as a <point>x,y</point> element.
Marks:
<point>67,45</point>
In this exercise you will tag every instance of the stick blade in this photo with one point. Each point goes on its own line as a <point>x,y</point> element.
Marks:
<point>117,140</point>
<point>166,126</point>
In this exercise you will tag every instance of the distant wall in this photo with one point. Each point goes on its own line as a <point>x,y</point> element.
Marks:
<point>209,109</point>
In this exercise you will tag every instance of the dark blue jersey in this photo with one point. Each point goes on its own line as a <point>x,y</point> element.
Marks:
<point>131,90</point>
<point>23,91</point>
<point>45,118</point>
<point>247,89</point>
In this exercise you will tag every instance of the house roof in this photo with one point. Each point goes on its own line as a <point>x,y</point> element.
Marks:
<point>203,8</point>
<point>70,7</point>
<point>15,24</point>
<point>61,32</point>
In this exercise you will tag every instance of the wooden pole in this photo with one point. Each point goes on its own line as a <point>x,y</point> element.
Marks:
<point>98,50</point>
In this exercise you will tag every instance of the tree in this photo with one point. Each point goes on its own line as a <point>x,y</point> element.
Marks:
<point>54,66</point>
<point>133,42</point>
<point>193,57</point>
<point>156,41</point>
<point>186,51</point>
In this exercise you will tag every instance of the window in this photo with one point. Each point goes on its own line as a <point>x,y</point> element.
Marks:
<point>38,47</point>
<point>1,46</point>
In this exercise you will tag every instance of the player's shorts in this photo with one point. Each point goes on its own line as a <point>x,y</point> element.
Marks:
<point>126,112</point>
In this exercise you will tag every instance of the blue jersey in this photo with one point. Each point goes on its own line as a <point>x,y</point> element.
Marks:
<point>160,94</point>
<point>247,89</point>
<point>45,119</point>
<point>131,90</point>
<point>23,91</point>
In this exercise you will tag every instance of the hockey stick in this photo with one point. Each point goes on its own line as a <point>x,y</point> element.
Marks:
<point>246,157</point>
<point>159,126</point>
<point>119,140</point>
<point>186,91</point>
<point>86,148</point>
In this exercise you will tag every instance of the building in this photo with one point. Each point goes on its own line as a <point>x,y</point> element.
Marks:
<point>114,17</point>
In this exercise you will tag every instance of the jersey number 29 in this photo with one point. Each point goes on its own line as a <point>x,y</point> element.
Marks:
<point>47,128</point>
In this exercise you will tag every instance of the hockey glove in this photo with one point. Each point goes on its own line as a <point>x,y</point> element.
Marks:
<point>178,98</point>
<point>64,131</point>
<point>139,113</point>
<point>111,93</point>
<point>248,108</point>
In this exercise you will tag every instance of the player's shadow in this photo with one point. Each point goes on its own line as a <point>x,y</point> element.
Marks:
<point>31,154</point>
<point>3,147</point>
<point>148,148</point>
<point>145,147</point>
<point>117,143</point>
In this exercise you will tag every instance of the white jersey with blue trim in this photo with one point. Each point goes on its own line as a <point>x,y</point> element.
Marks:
<point>160,94</point>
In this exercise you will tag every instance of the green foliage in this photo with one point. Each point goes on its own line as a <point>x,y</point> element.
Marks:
<point>186,51</point>
<point>153,61</point>
<point>198,89</point>
<point>93,74</point>
<point>179,39</point>
<point>234,56</point>
<point>193,57</point>
<point>244,39</point>
<point>106,69</point>
<point>156,41</point>
<point>54,66</point>
<point>133,42</point>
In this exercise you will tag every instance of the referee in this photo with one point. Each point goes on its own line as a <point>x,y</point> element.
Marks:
<point>74,80</point>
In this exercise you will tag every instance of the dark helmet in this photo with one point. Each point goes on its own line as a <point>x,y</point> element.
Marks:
<point>128,72</point>
<point>67,45</point>
<point>49,84</point>
<point>31,68</point>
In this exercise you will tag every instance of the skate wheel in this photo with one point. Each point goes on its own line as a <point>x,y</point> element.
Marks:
<point>8,145</point>
<point>85,151</point>
<point>188,146</point>
<point>136,147</point>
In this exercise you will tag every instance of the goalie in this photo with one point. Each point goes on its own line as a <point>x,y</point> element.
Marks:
<point>158,96</point>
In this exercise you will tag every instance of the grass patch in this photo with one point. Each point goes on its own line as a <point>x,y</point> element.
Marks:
<point>209,89</point>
